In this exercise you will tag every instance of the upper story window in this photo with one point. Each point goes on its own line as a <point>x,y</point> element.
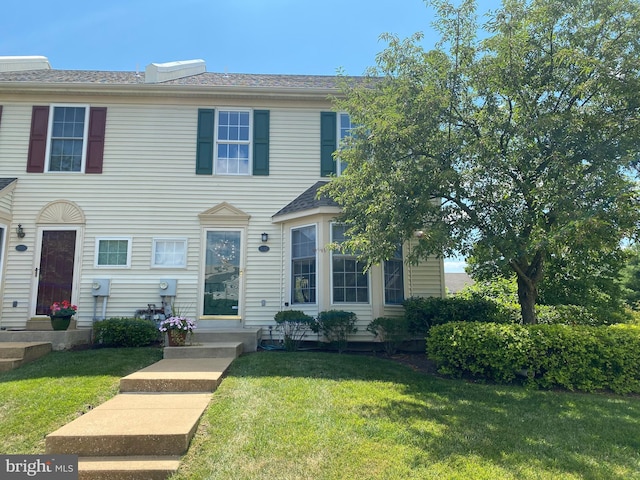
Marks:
<point>67,138</point>
<point>334,128</point>
<point>232,143</point>
<point>350,281</point>
<point>344,130</point>
<point>303,264</point>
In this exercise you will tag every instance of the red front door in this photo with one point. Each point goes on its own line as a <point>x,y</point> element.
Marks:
<point>55,274</point>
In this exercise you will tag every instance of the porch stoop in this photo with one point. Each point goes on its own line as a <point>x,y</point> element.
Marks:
<point>15,354</point>
<point>142,432</point>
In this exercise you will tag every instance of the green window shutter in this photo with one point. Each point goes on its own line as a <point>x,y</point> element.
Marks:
<point>328,143</point>
<point>261,142</point>
<point>205,145</point>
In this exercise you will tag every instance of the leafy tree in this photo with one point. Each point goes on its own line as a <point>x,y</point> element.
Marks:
<point>631,277</point>
<point>514,148</point>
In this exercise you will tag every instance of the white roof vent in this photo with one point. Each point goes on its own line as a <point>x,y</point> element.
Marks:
<point>19,64</point>
<point>163,72</point>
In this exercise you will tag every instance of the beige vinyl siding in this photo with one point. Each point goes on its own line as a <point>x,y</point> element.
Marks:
<point>149,189</point>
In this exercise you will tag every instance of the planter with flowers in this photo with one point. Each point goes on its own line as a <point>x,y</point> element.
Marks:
<point>177,328</point>
<point>61,313</point>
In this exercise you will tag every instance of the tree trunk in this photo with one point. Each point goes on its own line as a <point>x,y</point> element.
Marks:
<point>529,274</point>
<point>527,296</point>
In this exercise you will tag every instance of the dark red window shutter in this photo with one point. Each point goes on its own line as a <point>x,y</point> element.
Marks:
<point>95,140</point>
<point>38,139</point>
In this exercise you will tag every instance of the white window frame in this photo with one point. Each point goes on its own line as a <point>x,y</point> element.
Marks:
<point>384,277</point>
<point>355,258</point>
<point>341,135</point>
<point>97,255</point>
<point>219,142</point>
<point>174,240</point>
<point>315,255</point>
<point>50,137</point>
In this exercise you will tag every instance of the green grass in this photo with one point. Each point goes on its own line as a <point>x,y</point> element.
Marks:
<point>315,416</point>
<point>326,416</point>
<point>38,398</point>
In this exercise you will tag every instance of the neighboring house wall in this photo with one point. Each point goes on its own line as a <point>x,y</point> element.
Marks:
<point>148,189</point>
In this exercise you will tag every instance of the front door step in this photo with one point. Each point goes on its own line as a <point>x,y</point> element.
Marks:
<point>127,468</point>
<point>205,350</point>
<point>133,424</point>
<point>178,375</point>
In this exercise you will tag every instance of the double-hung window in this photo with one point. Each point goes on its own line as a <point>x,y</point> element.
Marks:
<point>303,264</point>
<point>113,252</point>
<point>394,279</point>
<point>344,131</point>
<point>233,142</point>
<point>68,132</point>
<point>350,281</point>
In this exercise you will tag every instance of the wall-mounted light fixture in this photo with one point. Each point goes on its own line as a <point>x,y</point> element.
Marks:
<point>265,237</point>
<point>20,231</point>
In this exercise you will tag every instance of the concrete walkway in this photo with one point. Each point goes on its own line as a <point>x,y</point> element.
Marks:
<point>142,432</point>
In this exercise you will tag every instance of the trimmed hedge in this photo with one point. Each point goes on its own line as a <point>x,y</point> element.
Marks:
<point>125,332</point>
<point>423,313</point>
<point>576,358</point>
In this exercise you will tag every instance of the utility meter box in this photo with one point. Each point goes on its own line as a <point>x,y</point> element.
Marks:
<point>167,287</point>
<point>100,287</point>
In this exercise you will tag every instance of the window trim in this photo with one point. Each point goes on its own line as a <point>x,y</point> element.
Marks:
<point>335,252</point>
<point>85,137</point>
<point>341,166</point>
<point>217,142</point>
<point>97,252</point>
<point>384,278</point>
<point>154,245</point>
<point>291,260</point>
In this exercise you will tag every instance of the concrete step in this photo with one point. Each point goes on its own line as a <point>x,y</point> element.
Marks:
<point>206,333</point>
<point>60,340</point>
<point>27,350</point>
<point>127,468</point>
<point>14,354</point>
<point>178,375</point>
<point>205,350</point>
<point>133,424</point>
<point>7,364</point>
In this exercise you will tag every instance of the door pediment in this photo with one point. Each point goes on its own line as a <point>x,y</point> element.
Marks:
<point>224,213</point>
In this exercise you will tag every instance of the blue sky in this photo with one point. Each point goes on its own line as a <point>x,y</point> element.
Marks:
<point>236,36</point>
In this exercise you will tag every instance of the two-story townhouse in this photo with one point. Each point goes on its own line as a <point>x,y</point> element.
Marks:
<point>120,189</point>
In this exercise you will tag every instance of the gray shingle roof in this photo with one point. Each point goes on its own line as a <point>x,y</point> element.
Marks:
<point>5,182</point>
<point>308,200</point>
<point>207,79</point>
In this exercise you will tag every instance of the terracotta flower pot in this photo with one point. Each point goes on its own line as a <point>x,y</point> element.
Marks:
<point>177,338</point>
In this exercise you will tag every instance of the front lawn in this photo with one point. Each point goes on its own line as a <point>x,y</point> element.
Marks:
<point>40,397</point>
<point>307,415</point>
<point>327,416</point>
